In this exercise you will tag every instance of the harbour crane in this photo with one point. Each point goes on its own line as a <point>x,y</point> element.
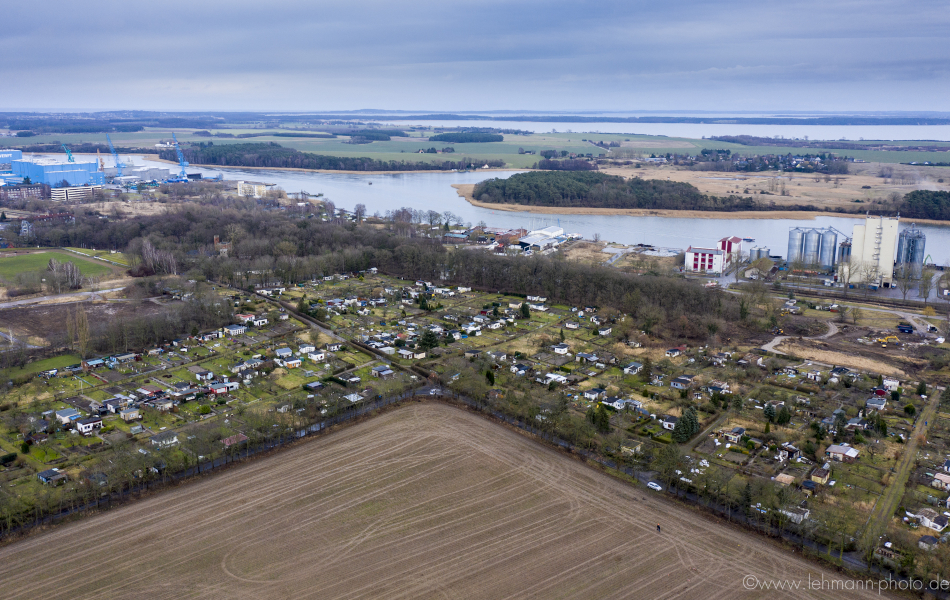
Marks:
<point>182,175</point>
<point>69,155</point>
<point>115,155</point>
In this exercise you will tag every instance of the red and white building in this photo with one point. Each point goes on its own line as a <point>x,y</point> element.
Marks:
<point>704,260</point>
<point>730,246</point>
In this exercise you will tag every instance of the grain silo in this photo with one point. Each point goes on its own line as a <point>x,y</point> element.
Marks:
<point>796,237</point>
<point>826,253</point>
<point>812,245</point>
<point>910,250</point>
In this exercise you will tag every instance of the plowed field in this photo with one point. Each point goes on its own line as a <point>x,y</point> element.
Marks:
<point>423,502</point>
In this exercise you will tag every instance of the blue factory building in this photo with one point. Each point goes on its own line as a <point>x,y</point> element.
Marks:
<point>8,156</point>
<point>53,172</point>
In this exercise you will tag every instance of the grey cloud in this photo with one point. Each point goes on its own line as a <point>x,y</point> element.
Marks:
<point>490,54</point>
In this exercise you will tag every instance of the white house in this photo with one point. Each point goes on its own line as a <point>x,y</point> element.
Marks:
<point>632,369</point>
<point>88,426</point>
<point>561,348</point>
<point>595,393</point>
<point>306,348</point>
<point>704,260</point>
<point>890,384</point>
<point>317,356</point>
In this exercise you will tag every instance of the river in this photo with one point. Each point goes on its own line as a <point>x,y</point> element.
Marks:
<point>433,191</point>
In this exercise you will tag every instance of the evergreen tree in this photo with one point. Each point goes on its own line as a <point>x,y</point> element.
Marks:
<point>3,216</point>
<point>686,426</point>
<point>769,413</point>
<point>428,340</point>
<point>490,377</point>
<point>747,495</point>
<point>784,416</point>
<point>921,387</point>
<point>525,311</point>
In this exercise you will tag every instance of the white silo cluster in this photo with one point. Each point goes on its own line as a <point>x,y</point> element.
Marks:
<point>812,247</point>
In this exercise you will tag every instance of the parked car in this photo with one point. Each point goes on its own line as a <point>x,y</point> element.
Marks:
<point>655,486</point>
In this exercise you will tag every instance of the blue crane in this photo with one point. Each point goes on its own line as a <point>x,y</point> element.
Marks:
<point>69,155</point>
<point>115,155</point>
<point>182,175</point>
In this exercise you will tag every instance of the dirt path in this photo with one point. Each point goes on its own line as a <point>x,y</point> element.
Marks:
<point>426,501</point>
<point>887,503</point>
<point>777,341</point>
<point>72,297</point>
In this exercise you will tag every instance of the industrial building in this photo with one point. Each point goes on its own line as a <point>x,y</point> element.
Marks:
<point>251,188</point>
<point>911,245</point>
<point>730,246</point>
<point>7,157</point>
<point>542,239</point>
<point>704,260</point>
<point>53,172</point>
<point>873,246</point>
<point>813,248</point>
<point>132,174</point>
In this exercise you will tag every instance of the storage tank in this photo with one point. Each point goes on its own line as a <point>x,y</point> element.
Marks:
<point>796,237</point>
<point>754,254</point>
<point>826,254</point>
<point>763,252</point>
<point>812,245</point>
<point>910,249</point>
<point>844,252</point>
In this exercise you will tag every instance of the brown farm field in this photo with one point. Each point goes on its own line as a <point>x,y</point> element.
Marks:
<point>426,501</point>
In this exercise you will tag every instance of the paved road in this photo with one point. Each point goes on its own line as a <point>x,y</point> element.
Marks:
<point>75,295</point>
<point>887,503</point>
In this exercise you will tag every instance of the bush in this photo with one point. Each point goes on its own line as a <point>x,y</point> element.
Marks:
<point>204,410</point>
<point>910,409</point>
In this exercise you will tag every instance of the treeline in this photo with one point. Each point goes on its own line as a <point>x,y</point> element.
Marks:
<point>469,137</point>
<point>83,148</point>
<point>46,125</point>
<point>273,155</point>
<point>379,133</point>
<point>276,247</point>
<point>751,140</point>
<point>926,204</point>
<point>599,190</point>
<point>241,136</point>
<point>571,164</point>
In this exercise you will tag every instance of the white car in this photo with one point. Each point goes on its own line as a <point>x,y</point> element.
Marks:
<point>655,486</point>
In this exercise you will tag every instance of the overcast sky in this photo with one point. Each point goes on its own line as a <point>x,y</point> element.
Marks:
<point>835,55</point>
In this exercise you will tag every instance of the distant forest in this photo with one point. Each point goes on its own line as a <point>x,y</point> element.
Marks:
<point>467,137</point>
<point>599,190</point>
<point>273,155</point>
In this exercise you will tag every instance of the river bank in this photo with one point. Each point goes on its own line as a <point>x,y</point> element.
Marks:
<point>465,190</point>
<point>154,157</point>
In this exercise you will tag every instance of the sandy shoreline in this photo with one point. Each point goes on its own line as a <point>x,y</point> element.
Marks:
<point>465,190</point>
